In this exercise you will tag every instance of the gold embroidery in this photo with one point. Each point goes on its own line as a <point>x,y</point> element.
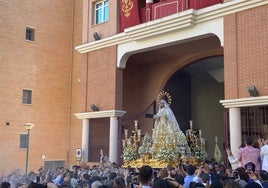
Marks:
<point>127,5</point>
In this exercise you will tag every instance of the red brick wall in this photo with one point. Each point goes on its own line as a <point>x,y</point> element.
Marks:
<point>42,66</point>
<point>78,79</point>
<point>102,77</point>
<point>245,52</point>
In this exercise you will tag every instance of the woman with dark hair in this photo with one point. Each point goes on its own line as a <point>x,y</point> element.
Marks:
<point>253,185</point>
<point>243,177</point>
<point>119,182</point>
<point>216,184</point>
<point>231,183</point>
<point>5,184</point>
<point>160,183</point>
<point>264,178</point>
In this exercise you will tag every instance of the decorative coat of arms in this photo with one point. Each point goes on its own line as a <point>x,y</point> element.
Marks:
<point>127,6</point>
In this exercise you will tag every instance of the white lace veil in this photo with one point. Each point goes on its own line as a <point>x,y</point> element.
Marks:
<point>169,113</point>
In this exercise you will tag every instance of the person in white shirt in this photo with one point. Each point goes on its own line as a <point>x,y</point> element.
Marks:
<point>235,163</point>
<point>264,156</point>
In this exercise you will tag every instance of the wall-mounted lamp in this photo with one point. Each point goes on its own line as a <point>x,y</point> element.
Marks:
<point>252,90</point>
<point>96,36</point>
<point>94,107</point>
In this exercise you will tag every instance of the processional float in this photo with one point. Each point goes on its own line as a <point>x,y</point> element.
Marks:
<point>163,147</point>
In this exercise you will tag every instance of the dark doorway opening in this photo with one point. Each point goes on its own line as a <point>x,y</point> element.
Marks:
<point>179,87</point>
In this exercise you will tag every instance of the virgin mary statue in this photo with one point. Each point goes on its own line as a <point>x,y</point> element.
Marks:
<point>167,134</point>
<point>165,118</point>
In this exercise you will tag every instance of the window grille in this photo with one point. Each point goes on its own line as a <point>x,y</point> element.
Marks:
<point>27,96</point>
<point>254,123</point>
<point>23,141</point>
<point>30,34</point>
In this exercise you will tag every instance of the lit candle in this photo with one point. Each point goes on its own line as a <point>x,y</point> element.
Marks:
<point>136,124</point>
<point>124,143</point>
<point>139,133</point>
<point>200,133</point>
<point>126,133</point>
<point>191,124</point>
<point>202,141</point>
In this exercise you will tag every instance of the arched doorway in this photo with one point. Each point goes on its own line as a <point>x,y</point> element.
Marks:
<point>192,72</point>
<point>196,91</point>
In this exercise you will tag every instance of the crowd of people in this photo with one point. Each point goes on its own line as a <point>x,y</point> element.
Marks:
<point>247,170</point>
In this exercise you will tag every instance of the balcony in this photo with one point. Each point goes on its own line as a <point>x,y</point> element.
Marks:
<point>131,15</point>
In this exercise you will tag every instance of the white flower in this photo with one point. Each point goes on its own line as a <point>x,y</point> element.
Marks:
<point>166,154</point>
<point>129,154</point>
<point>200,153</point>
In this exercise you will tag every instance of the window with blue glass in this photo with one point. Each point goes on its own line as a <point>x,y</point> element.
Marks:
<point>101,11</point>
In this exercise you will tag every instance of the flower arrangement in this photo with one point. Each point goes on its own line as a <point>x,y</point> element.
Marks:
<point>130,154</point>
<point>200,153</point>
<point>166,154</point>
<point>181,138</point>
<point>147,144</point>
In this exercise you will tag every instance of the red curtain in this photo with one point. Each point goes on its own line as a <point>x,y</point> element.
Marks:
<point>198,4</point>
<point>129,14</point>
<point>168,7</point>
